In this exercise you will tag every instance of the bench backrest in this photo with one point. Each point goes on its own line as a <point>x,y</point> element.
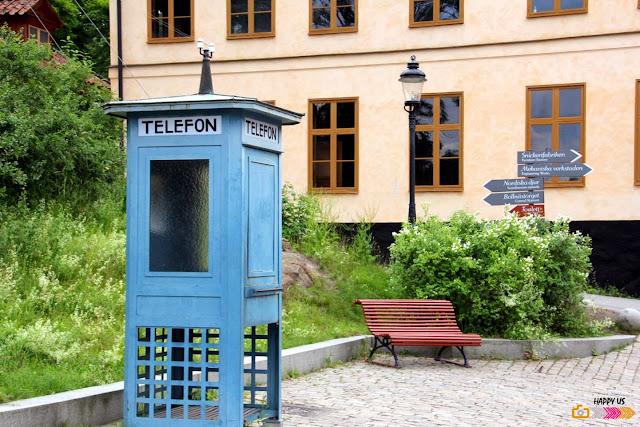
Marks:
<point>406,315</point>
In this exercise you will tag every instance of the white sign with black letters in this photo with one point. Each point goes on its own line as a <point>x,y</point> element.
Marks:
<point>260,130</point>
<point>177,126</point>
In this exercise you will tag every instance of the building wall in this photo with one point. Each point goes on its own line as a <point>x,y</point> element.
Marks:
<point>491,58</point>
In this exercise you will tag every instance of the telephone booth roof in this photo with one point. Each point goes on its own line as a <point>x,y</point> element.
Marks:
<point>201,102</point>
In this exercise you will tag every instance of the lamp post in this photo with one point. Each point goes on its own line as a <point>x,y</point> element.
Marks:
<point>412,80</point>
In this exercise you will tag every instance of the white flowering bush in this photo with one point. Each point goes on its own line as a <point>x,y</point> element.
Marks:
<point>514,278</point>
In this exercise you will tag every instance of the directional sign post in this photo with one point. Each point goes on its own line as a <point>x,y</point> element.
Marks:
<point>498,185</point>
<point>564,169</point>
<point>496,199</point>
<point>560,156</point>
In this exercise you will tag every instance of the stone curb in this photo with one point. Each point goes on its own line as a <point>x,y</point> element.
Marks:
<point>104,404</point>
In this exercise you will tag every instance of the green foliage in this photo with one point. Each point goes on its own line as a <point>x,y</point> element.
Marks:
<point>326,310</point>
<point>513,278</point>
<point>298,213</point>
<point>79,34</point>
<point>55,140</point>
<point>61,299</point>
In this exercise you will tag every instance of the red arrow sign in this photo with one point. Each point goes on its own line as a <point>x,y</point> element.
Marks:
<point>528,210</point>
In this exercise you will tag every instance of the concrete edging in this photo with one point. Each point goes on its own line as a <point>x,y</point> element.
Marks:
<point>104,404</point>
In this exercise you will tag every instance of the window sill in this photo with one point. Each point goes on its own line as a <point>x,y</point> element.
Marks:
<point>561,13</point>
<point>575,184</point>
<point>334,190</point>
<point>168,40</point>
<point>333,31</point>
<point>435,23</point>
<point>250,36</point>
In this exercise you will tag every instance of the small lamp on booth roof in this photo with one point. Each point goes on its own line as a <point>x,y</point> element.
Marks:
<point>206,85</point>
<point>412,80</point>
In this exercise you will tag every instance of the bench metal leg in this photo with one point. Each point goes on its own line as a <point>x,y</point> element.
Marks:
<point>385,342</point>
<point>466,362</point>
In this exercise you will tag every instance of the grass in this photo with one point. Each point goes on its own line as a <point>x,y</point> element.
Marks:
<point>62,295</point>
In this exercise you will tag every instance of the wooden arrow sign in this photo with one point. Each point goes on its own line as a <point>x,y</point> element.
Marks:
<point>564,169</point>
<point>514,184</point>
<point>495,199</point>
<point>528,210</point>
<point>560,156</point>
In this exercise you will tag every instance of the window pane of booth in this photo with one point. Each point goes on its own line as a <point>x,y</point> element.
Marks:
<point>179,216</point>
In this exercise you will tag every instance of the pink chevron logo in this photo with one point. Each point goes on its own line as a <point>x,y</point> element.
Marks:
<point>612,413</point>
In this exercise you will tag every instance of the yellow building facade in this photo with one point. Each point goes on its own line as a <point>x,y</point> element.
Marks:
<point>502,76</point>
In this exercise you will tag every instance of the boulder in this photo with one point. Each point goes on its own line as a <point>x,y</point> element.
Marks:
<point>297,269</point>
<point>629,320</point>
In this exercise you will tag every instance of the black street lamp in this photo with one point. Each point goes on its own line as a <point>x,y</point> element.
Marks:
<point>412,80</point>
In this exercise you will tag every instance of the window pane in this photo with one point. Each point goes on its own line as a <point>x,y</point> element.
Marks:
<point>570,102</point>
<point>321,18</point>
<point>44,37</point>
<point>33,33</point>
<point>160,8</point>
<point>182,27</point>
<point>541,103</point>
<point>541,137</point>
<point>424,172</point>
<point>449,172</point>
<point>346,2</point>
<point>181,8</point>
<point>262,5</point>
<point>346,114</point>
<point>424,144</point>
<point>321,3</point>
<point>571,4</point>
<point>262,22</point>
<point>321,147</point>
<point>542,5</point>
<point>450,110</point>
<point>449,143</point>
<point>425,112</point>
<point>346,174</point>
<point>321,175</point>
<point>159,28</point>
<point>423,11</point>
<point>346,147</point>
<point>346,16</point>
<point>449,9</point>
<point>239,24</point>
<point>570,136</point>
<point>321,115</point>
<point>179,215</point>
<point>239,6</point>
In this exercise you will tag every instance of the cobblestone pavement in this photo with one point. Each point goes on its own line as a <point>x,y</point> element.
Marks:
<point>425,392</point>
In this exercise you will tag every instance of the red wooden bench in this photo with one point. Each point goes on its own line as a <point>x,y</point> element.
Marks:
<point>419,323</point>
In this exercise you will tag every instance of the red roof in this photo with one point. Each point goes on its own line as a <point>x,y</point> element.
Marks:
<point>19,7</point>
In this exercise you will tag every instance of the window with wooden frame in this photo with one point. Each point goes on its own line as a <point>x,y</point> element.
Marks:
<point>39,35</point>
<point>333,16</point>
<point>170,21</point>
<point>251,18</point>
<point>439,127</point>
<point>555,121</point>
<point>333,145</point>
<point>423,13</point>
<point>537,8</point>
<point>637,148</point>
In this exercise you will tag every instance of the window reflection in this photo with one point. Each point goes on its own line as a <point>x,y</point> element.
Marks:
<point>541,103</point>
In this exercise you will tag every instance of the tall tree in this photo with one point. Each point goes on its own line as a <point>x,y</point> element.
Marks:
<point>79,33</point>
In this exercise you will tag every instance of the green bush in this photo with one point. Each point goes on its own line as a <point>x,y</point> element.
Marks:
<point>298,213</point>
<point>55,140</point>
<point>513,278</point>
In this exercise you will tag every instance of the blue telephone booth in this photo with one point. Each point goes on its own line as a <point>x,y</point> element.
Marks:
<point>203,260</point>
